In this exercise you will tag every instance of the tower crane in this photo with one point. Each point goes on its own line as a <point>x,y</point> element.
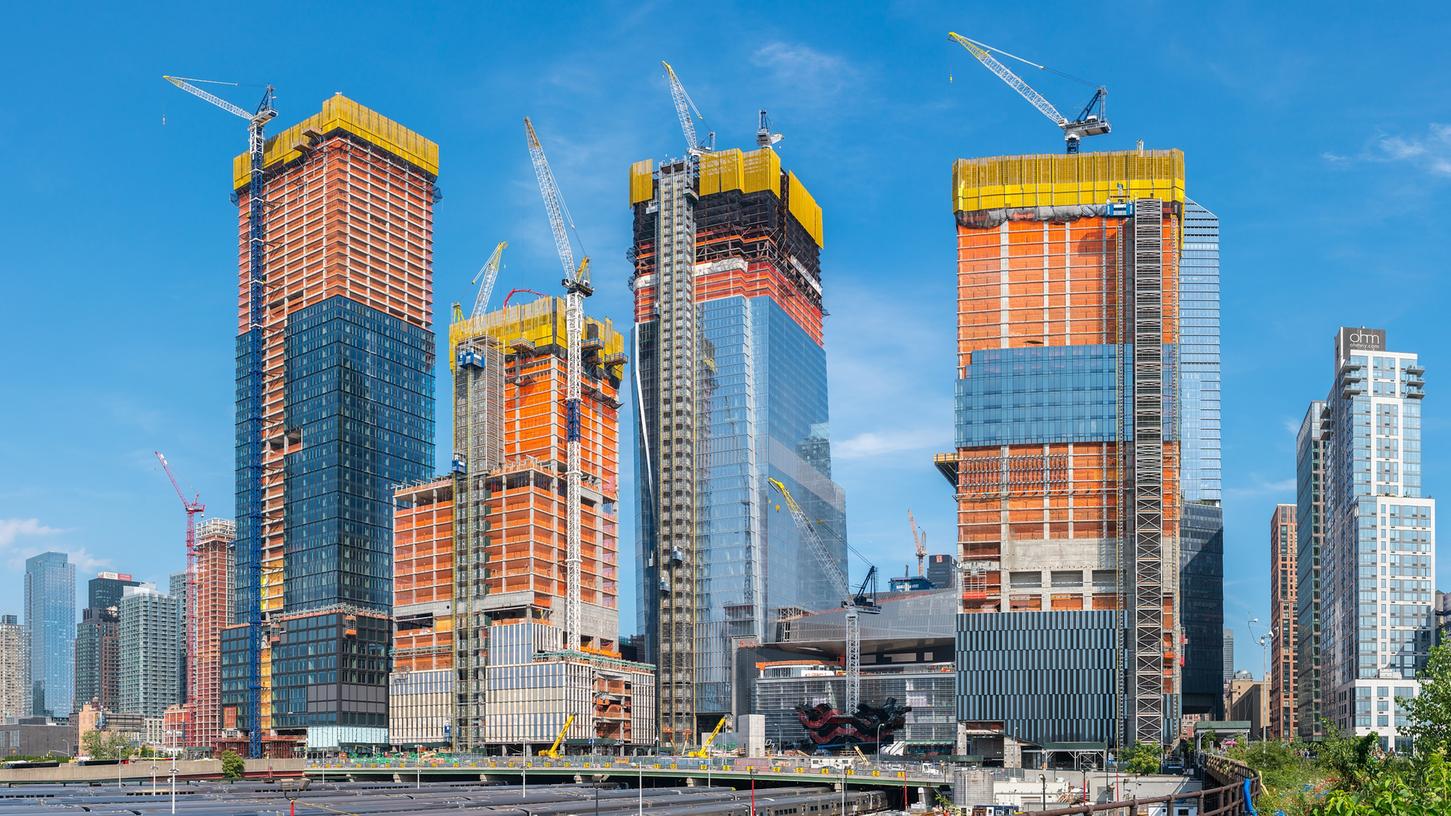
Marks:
<point>193,508</point>
<point>854,603</point>
<point>684,107</point>
<point>489,273</point>
<point>249,510</point>
<point>576,288</point>
<point>919,539</point>
<point>1091,121</point>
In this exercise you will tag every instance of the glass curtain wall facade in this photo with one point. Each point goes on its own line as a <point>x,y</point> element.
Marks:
<point>1378,556</point>
<point>1201,537</point>
<point>334,408</point>
<point>360,391</point>
<point>1071,431</point>
<point>728,292</point>
<point>50,619</point>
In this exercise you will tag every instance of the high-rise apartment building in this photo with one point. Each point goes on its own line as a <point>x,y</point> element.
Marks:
<point>1228,656</point>
<point>209,609</point>
<point>334,408</point>
<point>97,651</point>
<point>179,590</point>
<point>421,702</point>
<point>50,618</point>
<point>1283,583</point>
<point>1072,432</point>
<point>1378,555</point>
<point>730,390</point>
<point>517,682</point>
<point>1309,541</point>
<point>14,669</point>
<point>150,632</point>
<point>1201,542</point>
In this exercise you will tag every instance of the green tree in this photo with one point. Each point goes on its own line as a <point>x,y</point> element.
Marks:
<point>233,766</point>
<point>1429,713</point>
<point>1353,761</point>
<point>1397,788</point>
<point>1143,758</point>
<point>106,745</point>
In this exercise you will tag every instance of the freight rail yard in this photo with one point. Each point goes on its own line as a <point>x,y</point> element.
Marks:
<point>404,799</point>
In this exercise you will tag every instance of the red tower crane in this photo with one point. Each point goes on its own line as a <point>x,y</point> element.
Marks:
<point>193,509</point>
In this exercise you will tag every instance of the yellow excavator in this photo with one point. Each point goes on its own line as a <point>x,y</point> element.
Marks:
<point>704,750</point>
<point>553,751</point>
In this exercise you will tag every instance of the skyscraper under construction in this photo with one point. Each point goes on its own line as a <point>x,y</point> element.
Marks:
<point>518,682</point>
<point>730,390</point>
<point>1070,434</point>
<point>334,408</point>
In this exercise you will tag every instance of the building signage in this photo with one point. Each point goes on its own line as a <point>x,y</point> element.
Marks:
<point>1350,339</point>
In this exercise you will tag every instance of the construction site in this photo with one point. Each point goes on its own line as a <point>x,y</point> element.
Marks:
<point>1066,470</point>
<point>208,609</point>
<point>479,609</point>
<point>730,384</point>
<point>523,680</point>
<point>421,685</point>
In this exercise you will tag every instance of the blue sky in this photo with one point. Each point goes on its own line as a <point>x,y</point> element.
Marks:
<point>1317,132</point>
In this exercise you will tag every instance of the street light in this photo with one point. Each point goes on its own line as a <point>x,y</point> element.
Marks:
<point>173,785</point>
<point>1043,778</point>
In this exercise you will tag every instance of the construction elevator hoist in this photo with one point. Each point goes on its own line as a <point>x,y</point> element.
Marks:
<point>576,289</point>
<point>249,509</point>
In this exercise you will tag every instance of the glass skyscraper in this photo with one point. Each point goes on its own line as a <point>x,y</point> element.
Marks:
<point>334,408</point>
<point>50,617</point>
<point>1378,554</point>
<point>1201,537</point>
<point>730,391</point>
<point>1086,464</point>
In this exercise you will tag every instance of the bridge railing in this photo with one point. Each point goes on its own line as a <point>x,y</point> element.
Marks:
<point>1236,785</point>
<point>796,766</point>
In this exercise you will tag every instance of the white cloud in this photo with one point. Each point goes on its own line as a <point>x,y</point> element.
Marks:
<point>872,444</point>
<point>12,529</point>
<point>817,77</point>
<point>1291,426</point>
<point>1426,151</point>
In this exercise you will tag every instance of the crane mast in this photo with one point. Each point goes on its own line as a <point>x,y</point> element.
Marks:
<point>1092,121</point>
<point>489,273</point>
<point>576,289</point>
<point>852,603</point>
<point>249,506</point>
<point>193,508</point>
<point>919,540</point>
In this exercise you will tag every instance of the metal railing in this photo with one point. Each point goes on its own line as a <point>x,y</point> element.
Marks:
<point>1232,799</point>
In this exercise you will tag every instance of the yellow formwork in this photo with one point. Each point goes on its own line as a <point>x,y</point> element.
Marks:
<point>541,322</point>
<point>642,181</point>
<point>761,170</point>
<point>804,207</point>
<point>342,113</point>
<point>1066,180</point>
<point>749,171</point>
<point>721,171</point>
